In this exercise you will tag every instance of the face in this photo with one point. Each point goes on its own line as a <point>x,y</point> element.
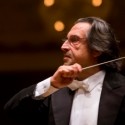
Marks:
<point>75,47</point>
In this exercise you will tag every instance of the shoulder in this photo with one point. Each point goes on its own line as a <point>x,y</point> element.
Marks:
<point>115,79</point>
<point>115,76</point>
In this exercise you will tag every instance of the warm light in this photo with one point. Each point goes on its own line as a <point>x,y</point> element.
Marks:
<point>59,26</point>
<point>96,3</point>
<point>49,2</point>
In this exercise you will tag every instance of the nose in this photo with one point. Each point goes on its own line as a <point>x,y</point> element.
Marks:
<point>65,46</point>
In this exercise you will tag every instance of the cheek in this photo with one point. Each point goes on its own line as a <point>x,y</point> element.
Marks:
<point>83,51</point>
<point>82,54</point>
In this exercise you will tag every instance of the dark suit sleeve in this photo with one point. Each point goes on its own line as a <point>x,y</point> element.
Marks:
<point>24,108</point>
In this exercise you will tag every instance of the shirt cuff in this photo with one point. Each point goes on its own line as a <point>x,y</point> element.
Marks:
<point>44,89</point>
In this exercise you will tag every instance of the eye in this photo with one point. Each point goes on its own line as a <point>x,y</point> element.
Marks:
<point>74,39</point>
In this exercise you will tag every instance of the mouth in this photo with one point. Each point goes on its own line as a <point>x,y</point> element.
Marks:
<point>66,58</point>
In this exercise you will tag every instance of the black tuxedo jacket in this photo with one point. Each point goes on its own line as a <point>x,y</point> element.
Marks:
<point>55,109</point>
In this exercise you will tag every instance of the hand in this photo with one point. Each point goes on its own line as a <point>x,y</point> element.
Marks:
<point>65,75</point>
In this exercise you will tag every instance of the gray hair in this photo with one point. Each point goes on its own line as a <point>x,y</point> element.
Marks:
<point>102,39</point>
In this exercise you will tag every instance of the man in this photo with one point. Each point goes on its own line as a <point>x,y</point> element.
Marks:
<point>76,96</point>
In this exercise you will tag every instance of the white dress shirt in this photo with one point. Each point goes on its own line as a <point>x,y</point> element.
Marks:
<point>86,101</point>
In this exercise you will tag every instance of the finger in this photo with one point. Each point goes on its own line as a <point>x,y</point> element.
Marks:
<point>68,72</point>
<point>77,68</point>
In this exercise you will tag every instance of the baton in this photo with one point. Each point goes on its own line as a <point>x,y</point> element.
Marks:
<point>103,63</point>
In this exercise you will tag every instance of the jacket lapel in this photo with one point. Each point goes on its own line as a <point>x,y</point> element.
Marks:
<point>110,100</point>
<point>61,106</point>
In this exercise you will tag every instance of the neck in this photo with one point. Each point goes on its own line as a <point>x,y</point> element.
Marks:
<point>88,72</point>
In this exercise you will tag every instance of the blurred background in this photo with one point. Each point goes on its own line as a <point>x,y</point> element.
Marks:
<point>31,33</point>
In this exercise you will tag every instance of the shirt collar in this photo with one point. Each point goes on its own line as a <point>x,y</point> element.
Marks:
<point>94,80</point>
<point>89,83</point>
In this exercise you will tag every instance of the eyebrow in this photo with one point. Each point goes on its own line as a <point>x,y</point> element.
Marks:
<point>73,35</point>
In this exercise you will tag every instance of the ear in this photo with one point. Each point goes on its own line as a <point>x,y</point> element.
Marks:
<point>96,53</point>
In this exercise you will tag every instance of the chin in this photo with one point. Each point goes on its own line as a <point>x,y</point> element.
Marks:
<point>68,63</point>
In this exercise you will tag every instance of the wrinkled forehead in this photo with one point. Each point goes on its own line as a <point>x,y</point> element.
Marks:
<point>80,29</point>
